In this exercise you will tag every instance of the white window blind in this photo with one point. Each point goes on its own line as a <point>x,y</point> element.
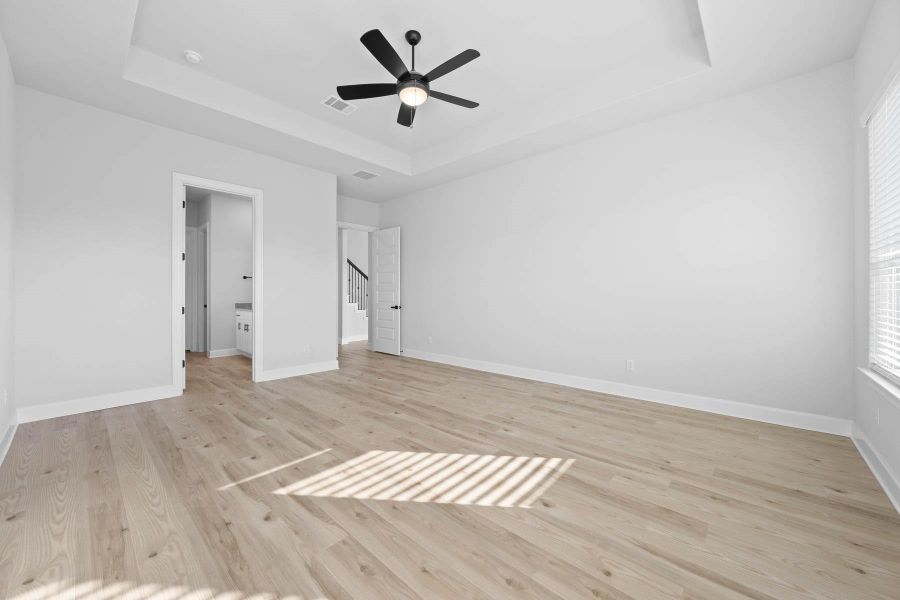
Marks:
<point>884,234</point>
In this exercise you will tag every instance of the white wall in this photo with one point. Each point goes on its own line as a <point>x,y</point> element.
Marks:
<point>876,411</point>
<point>7,191</point>
<point>93,270</point>
<point>230,258</point>
<point>712,247</point>
<point>192,215</point>
<point>358,212</point>
<point>358,248</point>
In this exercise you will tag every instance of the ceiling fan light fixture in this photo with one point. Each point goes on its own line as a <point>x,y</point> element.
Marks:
<point>413,94</point>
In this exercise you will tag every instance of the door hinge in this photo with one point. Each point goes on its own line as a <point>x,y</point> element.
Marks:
<point>182,256</point>
<point>182,363</point>
<point>184,204</point>
<point>182,310</point>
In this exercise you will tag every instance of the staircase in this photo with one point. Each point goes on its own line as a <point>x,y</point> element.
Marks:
<point>357,286</point>
<point>355,318</point>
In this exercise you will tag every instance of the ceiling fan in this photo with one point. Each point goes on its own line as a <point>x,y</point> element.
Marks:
<point>412,87</point>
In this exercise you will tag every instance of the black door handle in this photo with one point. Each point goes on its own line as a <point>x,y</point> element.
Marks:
<point>396,307</point>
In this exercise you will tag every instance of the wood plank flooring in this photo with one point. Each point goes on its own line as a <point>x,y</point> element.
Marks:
<point>176,499</point>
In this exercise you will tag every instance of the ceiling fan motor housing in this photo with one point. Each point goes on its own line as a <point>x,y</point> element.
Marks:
<point>413,79</point>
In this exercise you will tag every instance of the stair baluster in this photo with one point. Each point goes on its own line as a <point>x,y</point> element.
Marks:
<point>357,284</point>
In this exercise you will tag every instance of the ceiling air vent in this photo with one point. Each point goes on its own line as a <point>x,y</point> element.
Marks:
<point>339,105</point>
<point>364,175</point>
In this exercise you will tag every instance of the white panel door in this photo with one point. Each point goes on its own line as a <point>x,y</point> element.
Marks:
<point>384,314</point>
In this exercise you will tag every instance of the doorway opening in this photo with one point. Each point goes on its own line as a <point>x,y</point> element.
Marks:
<point>378,291</point>
<point>354,293</point>
<point>218,278</point>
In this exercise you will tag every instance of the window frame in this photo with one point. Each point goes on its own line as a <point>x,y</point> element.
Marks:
<point>893,119</point>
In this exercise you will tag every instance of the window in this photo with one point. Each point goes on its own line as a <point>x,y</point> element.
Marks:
<point>884,234</point>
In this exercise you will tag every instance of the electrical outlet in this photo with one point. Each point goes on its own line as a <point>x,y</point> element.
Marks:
<point>430,340</point>
<point>629,365</point>
<point>307,349</point>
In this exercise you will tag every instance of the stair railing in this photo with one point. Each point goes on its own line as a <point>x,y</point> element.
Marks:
<point>357,286</point>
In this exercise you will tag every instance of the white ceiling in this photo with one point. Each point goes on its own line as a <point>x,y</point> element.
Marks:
<point>195,194</point>
<point>296,53</point>
<point>192,194</point>
<point>549,74</point>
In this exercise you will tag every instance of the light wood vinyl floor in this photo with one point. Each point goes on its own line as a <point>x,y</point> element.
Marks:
<point>238,490</point>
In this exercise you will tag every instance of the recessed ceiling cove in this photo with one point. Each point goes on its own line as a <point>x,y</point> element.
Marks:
<point>548,74</point>
<point>537,61</point>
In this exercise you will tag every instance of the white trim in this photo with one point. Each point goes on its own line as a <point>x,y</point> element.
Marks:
<point>179,182</point>
<point>355,338</point>
<point>755,412</point>
<point>6,442</point>
<point>875,100</point>
<point>179,198</point>
<point>890,481</point>
<point>346,225</point>
<point>886,388</point>
<point>308,369</point>
<point>39,412</point>
<point>222,353</point>
<point>257,299</point>
<point>890,380</point>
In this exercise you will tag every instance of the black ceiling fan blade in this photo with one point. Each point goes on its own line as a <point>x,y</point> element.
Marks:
<point>407,114</point>
<point>366,90</point>
<point>466,56</point>
<point>453,99</point>
<point>384,53</point>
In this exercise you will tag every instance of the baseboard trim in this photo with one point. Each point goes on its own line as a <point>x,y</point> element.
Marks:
<point>39,412</point>
<point>309,369</point>
<point>223,353</point>
<point>881,468</point>
<point>755,412</point>
<point>355,338</point>
<point>6,442</point>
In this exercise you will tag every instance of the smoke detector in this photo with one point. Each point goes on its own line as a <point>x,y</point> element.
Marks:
<point>193,57</point>
<point>364,175</point>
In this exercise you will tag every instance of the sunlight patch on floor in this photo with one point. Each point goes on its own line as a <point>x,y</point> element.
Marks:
<point>127,590</point>
<point>273,470</point>
<point>442,478</point>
